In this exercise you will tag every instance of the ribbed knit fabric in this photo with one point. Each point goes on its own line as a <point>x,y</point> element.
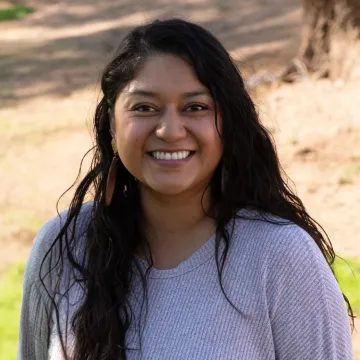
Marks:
<point>289,306</point>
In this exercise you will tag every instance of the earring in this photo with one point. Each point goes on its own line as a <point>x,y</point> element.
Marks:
<point>111,179</point>
<point>113,145</point>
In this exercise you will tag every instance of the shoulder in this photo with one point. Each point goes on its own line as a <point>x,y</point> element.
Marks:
<point>280,260</point>
<point>270,238</point>
<point>289,275</point>
<point>49,231</point>
<point>44,240</point>
<point>275,252</point>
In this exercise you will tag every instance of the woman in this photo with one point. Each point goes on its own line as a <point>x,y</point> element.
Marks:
<point>193,246</point>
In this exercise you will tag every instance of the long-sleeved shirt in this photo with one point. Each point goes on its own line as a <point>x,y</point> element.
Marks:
<point>288,303</point>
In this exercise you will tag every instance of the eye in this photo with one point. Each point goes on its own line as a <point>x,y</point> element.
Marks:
<point>143,108</point>
<point>196,107</point>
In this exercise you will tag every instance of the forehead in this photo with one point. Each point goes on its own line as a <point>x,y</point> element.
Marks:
<point>165,73</point>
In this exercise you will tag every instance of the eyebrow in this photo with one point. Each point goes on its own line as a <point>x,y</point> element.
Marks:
<point>155,94</point>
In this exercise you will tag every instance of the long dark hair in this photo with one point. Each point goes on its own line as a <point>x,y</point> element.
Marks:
<point>249,175</point>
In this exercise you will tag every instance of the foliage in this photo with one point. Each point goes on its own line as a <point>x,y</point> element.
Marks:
<point>15,12</point>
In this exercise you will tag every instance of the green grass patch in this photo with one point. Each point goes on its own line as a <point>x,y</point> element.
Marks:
<point>347,272</point>
<point>10,305</point>
<point>15,12</point>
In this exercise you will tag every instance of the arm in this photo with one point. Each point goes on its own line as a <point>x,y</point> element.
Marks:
<point>34,325</point>
<point>35,312</point>
<point>306,307</point>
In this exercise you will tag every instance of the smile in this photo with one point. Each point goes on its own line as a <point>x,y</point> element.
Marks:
<point>175,155</point>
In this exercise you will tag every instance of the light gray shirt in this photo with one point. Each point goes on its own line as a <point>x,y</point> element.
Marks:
<point>289,304</point>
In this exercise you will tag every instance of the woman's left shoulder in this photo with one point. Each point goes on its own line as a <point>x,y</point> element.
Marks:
<point>272,238</point>
<point>285,268</point>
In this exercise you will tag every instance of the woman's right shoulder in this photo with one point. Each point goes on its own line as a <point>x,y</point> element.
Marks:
<point>45,238</point>
<point>49,231</point>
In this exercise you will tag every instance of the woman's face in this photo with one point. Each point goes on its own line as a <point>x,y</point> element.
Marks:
<point>165,128</point>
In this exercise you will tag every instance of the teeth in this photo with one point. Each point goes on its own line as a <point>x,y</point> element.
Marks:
<point>170,155</point>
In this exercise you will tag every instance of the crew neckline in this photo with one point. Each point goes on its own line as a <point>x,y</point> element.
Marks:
<point>196,259</point>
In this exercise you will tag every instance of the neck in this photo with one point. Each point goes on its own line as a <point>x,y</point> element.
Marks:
<point>176,226</point>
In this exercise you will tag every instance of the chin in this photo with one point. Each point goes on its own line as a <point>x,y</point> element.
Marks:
<point>170,189</point>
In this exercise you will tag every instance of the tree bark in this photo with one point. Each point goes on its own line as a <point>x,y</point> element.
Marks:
<point>321,19</point>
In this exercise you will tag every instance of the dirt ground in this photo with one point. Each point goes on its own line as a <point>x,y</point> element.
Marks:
<point>50,64</point>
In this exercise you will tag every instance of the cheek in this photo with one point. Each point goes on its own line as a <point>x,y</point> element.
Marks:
<point>131,139</point>
<point>209,138</point>
<point>129,151</point>
<point>216,150</point>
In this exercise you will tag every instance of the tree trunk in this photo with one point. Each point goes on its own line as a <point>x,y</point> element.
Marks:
<point>321,19</point>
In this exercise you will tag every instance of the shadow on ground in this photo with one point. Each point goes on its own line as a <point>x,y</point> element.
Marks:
<point>63,47</point>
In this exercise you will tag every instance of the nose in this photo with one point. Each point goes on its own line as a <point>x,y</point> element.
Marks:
<point>171,127</point>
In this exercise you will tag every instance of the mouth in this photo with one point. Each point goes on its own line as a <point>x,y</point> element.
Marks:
<point>171,155</point>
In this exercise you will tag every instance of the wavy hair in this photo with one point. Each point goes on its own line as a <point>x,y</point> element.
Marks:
<point>249,175</point>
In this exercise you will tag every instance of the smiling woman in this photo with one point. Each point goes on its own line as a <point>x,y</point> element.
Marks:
<point>193,247</point>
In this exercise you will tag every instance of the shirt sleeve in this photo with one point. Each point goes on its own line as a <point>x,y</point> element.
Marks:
<point>35,316</point>
<point>307,311</point>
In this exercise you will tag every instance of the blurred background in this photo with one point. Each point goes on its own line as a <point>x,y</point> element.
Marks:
<point>301,61</point>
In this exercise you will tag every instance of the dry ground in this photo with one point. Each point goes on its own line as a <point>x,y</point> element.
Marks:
<point>51,61</point>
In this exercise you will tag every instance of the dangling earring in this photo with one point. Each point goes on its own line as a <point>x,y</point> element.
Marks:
<point>111,179</point>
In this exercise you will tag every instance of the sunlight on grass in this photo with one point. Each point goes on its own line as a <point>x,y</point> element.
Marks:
<point>15,12</point>
<point>11,292</point>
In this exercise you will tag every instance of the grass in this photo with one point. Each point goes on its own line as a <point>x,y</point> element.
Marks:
<point>10,304</point>
<point>348,274</point>
<point>15,12</point>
